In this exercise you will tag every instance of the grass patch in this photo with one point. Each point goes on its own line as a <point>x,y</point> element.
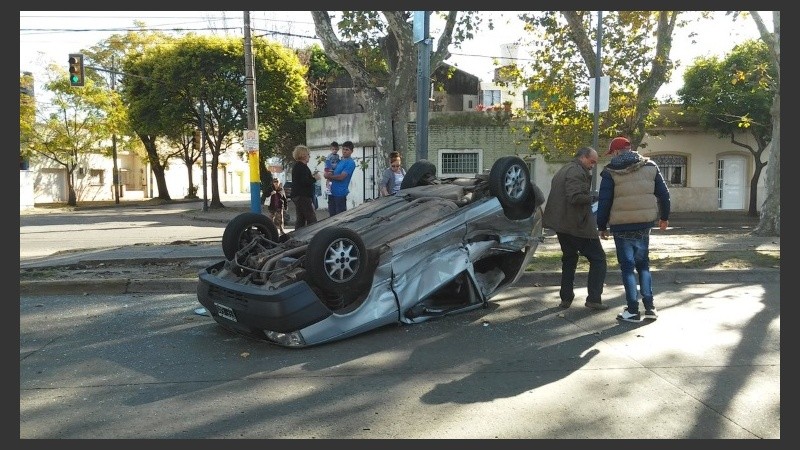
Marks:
<point>743,260</point>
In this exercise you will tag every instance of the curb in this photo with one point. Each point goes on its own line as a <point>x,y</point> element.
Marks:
<point>108,286</point>
<point>675,276</point>
<point>120,286</point>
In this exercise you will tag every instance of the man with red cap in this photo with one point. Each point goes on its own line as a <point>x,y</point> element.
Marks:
<point>632,196</point>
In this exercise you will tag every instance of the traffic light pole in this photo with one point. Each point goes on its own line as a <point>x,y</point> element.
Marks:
<point>77,78</point>
<point>76,69</point>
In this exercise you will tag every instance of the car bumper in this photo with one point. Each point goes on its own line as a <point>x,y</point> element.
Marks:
<point>253,310</point>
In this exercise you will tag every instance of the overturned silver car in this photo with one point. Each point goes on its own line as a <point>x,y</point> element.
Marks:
<point>437,247</point>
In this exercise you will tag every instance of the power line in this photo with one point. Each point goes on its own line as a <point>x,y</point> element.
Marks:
<point>262,33</point>
<point>282,33</point>
<point>110,30</point>
<point>492,57</point>
<point>183,27</point>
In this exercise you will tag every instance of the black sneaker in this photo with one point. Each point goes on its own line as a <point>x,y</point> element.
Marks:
<point>565,304</point>
<point>596,305</point>
<point>628,317</point>
<point>650,314</point>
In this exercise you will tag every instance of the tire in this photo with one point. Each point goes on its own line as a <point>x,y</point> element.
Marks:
<point>527,208</point>
<point>244,228</point>
<point>337,261</point>
<point>509,181</point>
<point>420,173</point>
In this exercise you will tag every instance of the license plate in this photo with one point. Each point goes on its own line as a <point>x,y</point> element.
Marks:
<point>225,312</point>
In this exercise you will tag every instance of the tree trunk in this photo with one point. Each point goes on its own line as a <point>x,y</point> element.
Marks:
<point>215,199</point>
<point>72,197</point>
<point>161,181</point>
<point>770,221</point>
<point>155,164</point>
<point>390,100</point>
<point>190,175</point>
<point>752,206</point>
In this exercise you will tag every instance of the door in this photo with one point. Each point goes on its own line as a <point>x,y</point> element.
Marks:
<point>731,182</point>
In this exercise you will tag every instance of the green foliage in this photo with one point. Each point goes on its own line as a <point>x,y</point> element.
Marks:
<point>27,115</point>
<point>563,66</point>
<point>732,94</point>
<point>368,32</point>
<point>164,85</point>
<point>492,117</point>
<point>79,119</point>
<point>109,54</point>
<point>735,94</point>
<point>366,27</point>
<point>321,71</point>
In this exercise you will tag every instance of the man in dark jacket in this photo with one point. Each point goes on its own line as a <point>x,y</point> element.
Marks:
<point>633,195</point>
<point>568,213</point>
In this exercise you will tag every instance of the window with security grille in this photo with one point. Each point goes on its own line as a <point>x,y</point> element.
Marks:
<point>97,177</point>
<point>673,169</point>
<point>459,163</point>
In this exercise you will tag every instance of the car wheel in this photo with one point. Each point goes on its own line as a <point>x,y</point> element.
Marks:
<point>509,181</point>
<point>244,228</point>
<point>420,173</point>
<point>336,261</point>
<point>528,207</point>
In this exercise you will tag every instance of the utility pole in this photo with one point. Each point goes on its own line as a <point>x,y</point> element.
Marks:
<point>598,74</point>
<point>252,120</point>
<point>421,28</point>
<point>115,176</point>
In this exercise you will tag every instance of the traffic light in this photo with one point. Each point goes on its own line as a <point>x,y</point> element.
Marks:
<point>76,72</point>
<point>197,137</point>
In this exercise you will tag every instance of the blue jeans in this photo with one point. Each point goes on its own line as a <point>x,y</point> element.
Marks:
<point>336,204</point>
<point>592,250</point>
<point>633,252</point>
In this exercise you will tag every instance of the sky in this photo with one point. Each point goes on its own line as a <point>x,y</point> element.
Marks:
<point>49,36</point>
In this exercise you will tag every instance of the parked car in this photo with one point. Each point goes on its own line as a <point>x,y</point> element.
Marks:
<point>437,247</point>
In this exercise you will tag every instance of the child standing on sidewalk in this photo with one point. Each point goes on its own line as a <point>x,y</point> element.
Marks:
<point>277,205</point>
<point>330,164</point>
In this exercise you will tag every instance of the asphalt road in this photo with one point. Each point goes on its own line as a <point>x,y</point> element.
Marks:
<point>46,232</point>
<point>144,366</point>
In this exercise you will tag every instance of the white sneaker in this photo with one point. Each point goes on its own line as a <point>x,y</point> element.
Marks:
<point>628,317</point>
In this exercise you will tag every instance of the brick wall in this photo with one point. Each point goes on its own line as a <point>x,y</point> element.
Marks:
<point>494,141</point>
